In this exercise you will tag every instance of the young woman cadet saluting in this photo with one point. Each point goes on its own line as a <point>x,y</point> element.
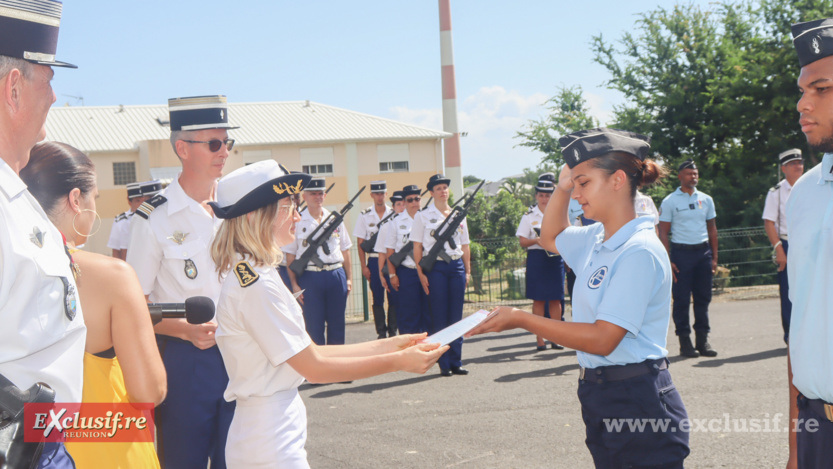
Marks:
<point>622,301</point>
<point>261,333</point>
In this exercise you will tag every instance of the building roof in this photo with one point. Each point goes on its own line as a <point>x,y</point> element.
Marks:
<point>119,128</point>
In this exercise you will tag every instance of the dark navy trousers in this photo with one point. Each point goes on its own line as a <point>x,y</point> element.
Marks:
<point>192,423</point>
<point>383,325</point>
<point>815,432</point>
<point>784,291</point>
<point>412,304</point>
<point>694,280</point>
<point>325,301</point>
<point>284,273</point>
<point>447,289</point>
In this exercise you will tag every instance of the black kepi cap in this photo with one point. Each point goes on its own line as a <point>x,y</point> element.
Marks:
<point>813,40</point>
<point>581,146</point>
<point>397,196</point>
<point>316,184</point>
<point>411,189</point>
<point>789,155</point>
<point>150,188</point>
<point>437,179</point>
<point>254,186</point>
<point>134,189</point>
<point>199,113</point>
<point>29,30</point>
<point>378,186</point>
<point>687,164</point>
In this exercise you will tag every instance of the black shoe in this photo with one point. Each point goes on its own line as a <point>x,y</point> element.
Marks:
<point>556,346</point>
<point>687,348</point>
<point>445,372</point>
<point>380,336</point>
<point>459,370</point>
<point>704,347</point>
<point>541,348</point>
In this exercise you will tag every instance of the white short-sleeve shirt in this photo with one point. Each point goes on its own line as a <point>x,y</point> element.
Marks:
<point>259,327</point>
<point>338,241</point>
<point>41,339</point>
<point>775,208</point>
<point>645,207</point>
<point>399,234</point>
<point>367,223</point>
<point>529,222</point>
<point>118,234</point>
<point>428,220</point>
<point>175,238</point>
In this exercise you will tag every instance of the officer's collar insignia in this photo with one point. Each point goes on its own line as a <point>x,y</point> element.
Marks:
<point>597,278</point>
<point>286,188</point>
<point>70,299</point>
<point>246,275</point>
<point>36,237</point>
<point>190,269</point>
<point>178,237</point>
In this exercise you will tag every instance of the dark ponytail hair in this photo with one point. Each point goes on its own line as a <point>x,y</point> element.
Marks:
<point>639,173</point>
<point>54,170</point>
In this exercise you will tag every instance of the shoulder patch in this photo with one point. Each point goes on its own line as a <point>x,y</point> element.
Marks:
<point>149,206</point>
<point>120,217</point>
<point>245,274</point>
<point>775,187</point>
<point>367,210</point>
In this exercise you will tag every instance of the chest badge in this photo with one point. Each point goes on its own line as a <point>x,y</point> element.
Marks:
<point>535,223</point>
<point>190,269</point>
<point>372,225</point>
<point>70,299</point>
<point>178,237</point>
<point>36,237</point>
<point>433,220</point>
<point>597,278</point>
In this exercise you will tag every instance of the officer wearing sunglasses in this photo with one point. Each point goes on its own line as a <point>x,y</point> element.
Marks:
<point>170,250</point>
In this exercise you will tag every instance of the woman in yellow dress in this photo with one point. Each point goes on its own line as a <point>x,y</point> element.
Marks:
<point>122,362</point>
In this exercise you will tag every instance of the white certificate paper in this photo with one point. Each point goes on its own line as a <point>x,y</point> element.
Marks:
<point>458,329</point>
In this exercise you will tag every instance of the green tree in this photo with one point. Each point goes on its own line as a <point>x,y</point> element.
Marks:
<point>490,218</point>
<point>717,85</point>
<point>469,180</point>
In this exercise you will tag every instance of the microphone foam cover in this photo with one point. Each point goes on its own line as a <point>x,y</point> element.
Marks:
<point>199,309</point>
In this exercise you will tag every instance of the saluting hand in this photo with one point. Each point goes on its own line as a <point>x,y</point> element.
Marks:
<point>565,179</point>
<point>202,335</point>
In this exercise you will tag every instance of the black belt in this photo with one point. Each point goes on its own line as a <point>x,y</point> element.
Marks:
<point>821,407</point>
<point>622,372</point>
<point>689,247</point>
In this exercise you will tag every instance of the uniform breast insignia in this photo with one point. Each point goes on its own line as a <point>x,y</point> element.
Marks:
<point>534,222</point>
<point>597,278</point>
<point>433,220</point>
<point>178,237</point>
<point>245,274</point>
<point>372,225</point>
<point>36,237</point>
<point>70,299</point>
<point>190,269</point>
<point>149,206</point>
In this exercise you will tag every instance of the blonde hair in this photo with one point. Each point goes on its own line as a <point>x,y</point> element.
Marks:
<point>250,235</point>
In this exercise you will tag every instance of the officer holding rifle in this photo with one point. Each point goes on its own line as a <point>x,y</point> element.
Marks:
<point>322,273</point>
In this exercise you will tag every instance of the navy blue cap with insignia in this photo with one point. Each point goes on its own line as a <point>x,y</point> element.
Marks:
<point>581,146</point>
<point>687,164</point>
<point>437,179</point>
<point>254,186</point>
<point>546,183</point>
<point>150,188</point>
<point>29,30</point>
<point>411,189</point>
<point>316,184</point>
<point>378,186</point>
<point>397,196</point>
<point>199,113</point>
<point>813,40</point>
<point>134,189</point>
<point>789,155</point>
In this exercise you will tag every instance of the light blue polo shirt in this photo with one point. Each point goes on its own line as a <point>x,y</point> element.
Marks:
<point>810,271</point>
<point>625,281</point>
<point>687,215</point>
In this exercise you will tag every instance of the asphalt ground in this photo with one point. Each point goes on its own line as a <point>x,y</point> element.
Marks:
<point>518,407</point>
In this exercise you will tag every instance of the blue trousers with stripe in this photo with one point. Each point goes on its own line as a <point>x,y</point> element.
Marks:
<point>412,307</point>
<point>325,301</point>
<point>447,287</point>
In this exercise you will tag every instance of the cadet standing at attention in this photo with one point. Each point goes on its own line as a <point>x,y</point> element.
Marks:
<point>367,224</point>
<point>170,245</point>
<point>398,203</point>
<point>323,289</point>
<point>544,270</point>
<point>689,216</point>
<point>137,194</point>
<point>445,285</point>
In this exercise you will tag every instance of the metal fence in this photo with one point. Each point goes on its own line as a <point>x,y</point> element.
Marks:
<point>499,268</point>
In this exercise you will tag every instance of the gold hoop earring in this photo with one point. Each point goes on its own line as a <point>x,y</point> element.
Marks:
<point>96,228</point>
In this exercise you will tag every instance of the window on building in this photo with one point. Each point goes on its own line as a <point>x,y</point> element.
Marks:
<point>317,161</point>
<point>124,173</point>
<point>393,158</point>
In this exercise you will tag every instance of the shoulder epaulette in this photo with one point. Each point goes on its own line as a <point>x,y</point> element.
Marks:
<point>775,187</point>
<point>149,206</point>
<point>367,210</point>
<point>246,275</point>
<point>120,217</point>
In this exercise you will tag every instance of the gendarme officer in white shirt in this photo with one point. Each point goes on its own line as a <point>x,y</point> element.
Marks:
<point>43,333</point>
<point>170,246</point>
<point>325,289</point>
<point>137,194</point>
<point>445,285</point>
<point>775,224</point>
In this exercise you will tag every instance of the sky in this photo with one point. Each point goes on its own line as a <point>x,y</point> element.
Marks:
<point>379,57</point>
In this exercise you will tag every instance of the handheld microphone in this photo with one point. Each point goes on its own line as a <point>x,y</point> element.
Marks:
<point>196,310</point>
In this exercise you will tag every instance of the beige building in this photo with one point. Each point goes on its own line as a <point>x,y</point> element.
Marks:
<point>131,143</point>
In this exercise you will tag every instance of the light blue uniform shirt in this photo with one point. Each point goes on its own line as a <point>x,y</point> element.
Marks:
<point>625,281</point>
<point>810,270</point>
<point>687,215</point>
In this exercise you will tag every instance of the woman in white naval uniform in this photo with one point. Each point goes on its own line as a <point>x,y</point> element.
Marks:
<point>622,304</point>
<point>261,332</point>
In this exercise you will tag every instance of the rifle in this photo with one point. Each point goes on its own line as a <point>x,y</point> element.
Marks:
<point>370,243</point>
<point>445,232</point>
<point>301,206</point>
<point>324,231</point>
<point>399,256</point>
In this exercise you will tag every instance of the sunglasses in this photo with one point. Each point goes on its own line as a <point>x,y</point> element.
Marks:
<point>412,199</point>
<point>214,144</point>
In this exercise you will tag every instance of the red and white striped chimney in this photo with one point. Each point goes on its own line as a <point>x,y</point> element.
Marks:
<point>453,169</point>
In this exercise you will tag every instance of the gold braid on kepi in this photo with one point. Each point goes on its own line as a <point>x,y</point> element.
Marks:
<point>254,186</point>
